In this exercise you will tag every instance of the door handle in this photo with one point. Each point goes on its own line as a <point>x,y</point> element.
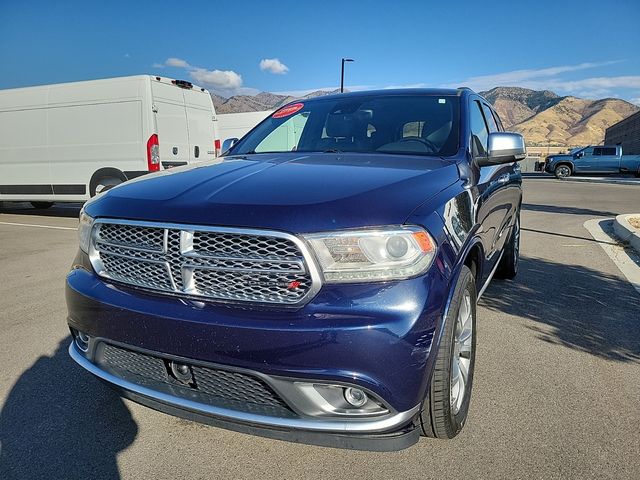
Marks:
<point>504,178</point>
<point>196,151</point>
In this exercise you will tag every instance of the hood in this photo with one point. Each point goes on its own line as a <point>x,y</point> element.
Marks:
<point>290,191</point>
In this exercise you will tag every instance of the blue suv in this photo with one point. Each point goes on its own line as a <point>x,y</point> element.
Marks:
<point>318,283</point>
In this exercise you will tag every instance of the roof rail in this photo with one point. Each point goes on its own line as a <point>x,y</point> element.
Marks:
<point>463,88</point>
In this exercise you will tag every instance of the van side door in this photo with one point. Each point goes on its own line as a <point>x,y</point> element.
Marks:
<point>24,152</point>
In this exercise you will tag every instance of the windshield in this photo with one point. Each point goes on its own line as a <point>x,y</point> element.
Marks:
<point>400,124</point>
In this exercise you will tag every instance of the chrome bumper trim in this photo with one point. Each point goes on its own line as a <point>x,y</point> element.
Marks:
<point>386,424</point>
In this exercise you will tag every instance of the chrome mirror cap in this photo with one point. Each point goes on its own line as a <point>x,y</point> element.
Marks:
<point>504,147</point>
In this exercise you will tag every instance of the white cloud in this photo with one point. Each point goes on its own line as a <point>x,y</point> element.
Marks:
<point>221,79</point>
<point>176,62</point>
<point>273,65</point>
<point>635,100</point>
<point>551,79</point>
<point>224,82</point>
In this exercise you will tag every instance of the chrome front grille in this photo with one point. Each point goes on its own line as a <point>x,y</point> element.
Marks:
<point>224,264</point>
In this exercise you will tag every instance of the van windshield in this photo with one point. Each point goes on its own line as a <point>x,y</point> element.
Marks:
<point>398,124</point>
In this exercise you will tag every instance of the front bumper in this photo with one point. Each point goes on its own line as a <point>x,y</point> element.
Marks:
<point>375,337</point>
<point>362,435</point>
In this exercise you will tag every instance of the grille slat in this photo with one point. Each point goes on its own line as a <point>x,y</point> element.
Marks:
<point>219,264</point>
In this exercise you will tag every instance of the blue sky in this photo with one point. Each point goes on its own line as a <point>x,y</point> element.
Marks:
<point>585,48</point>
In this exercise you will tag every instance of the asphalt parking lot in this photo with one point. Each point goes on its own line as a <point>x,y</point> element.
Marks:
<point>556,391</point>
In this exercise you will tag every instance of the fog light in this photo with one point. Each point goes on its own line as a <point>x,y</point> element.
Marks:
<point>82,341</point>
<point>355,397</point>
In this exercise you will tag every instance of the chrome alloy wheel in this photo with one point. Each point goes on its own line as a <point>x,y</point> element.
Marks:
<point>461,360</point>
<point>563,171</point>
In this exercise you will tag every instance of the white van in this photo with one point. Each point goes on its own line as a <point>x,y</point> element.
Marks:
<point>69,141</point>
<point>237,125</point>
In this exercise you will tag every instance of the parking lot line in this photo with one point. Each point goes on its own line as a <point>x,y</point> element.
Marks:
<point>37,226</point>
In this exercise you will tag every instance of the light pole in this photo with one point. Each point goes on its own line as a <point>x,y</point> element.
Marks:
<point>342,73</point>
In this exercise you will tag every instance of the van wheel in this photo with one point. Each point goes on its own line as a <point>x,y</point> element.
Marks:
<point>104,184</point>
<point>563,171</point>
<point>445,408</point>
<point>41,205</point>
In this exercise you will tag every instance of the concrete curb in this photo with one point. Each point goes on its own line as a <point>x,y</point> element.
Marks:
<point>626,232</point>
<point>626,258</point>
<point>620,181</point>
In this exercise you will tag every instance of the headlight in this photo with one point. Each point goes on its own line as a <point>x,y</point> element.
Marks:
<point>373,255</point>
<point>84,231</point>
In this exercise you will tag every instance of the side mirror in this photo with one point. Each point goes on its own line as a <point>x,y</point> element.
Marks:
<point>504,147</point>
<point>579,154</point>
<point>228,143</point>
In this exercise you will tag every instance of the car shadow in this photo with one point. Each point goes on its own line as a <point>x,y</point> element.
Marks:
<point>566,210</point>
<point>575,306</point>
<point>68,210</point>
<point>58,422</point>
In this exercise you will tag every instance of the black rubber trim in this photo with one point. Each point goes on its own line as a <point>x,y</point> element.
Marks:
<point>173,164</point>
<point>26,189</point>
<point>43,189</point>
<point>69,189</point>
<point>381,442</point>
<point>135,173</point>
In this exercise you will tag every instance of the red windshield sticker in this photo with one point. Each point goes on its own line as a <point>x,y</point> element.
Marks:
<point>288,110</point>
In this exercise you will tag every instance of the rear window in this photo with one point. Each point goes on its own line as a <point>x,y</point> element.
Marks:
<point>400,124</point>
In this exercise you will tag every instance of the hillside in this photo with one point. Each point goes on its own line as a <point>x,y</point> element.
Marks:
<point>259,102</point>
<point>543,117</point>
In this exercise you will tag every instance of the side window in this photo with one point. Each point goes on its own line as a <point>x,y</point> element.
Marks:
<point>285,138</point>
<point>498,121</point>
<point>609,151</point>
<point>493,127</point>
<point>479,131</point>
<point>597,151</point>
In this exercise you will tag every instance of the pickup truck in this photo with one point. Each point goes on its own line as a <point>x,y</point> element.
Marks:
<point>593,160</point>
<point>318,282</point>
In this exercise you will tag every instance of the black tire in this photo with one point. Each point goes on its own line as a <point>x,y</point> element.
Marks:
<point>508,267</point>
<point>104,184</point>
<point>439,417</point>
<point>41,205</point>
<point>563,171</point>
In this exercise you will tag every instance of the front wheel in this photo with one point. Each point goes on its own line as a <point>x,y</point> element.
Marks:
<point>508,266</point>
<point>446,406</point>
<point>563,171</point>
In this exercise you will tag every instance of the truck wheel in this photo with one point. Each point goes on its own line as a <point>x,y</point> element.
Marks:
<point>508,267</point>
<point>563,171</point>
<point>41,205</point>
<point>445,408</point>
<point>104,184</point>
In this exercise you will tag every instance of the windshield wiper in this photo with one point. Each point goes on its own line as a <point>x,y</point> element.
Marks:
<point>332,150</point>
